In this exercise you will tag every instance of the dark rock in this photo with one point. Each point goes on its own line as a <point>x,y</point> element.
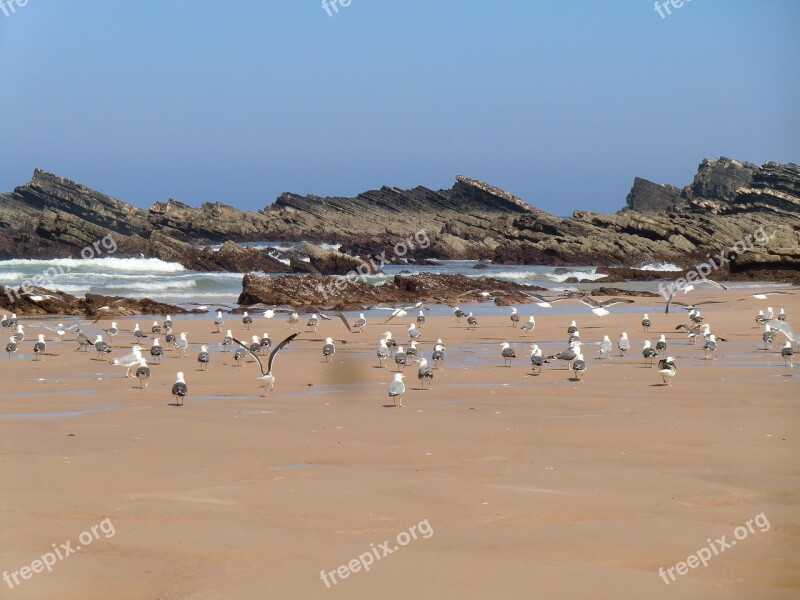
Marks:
<point>648,197</point>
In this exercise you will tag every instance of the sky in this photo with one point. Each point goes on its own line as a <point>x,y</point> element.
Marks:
<point>561,103</point>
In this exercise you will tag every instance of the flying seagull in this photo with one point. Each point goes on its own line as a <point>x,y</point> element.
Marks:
<point>599,307</point>
<point>689,288</point>
<point>267,379</point>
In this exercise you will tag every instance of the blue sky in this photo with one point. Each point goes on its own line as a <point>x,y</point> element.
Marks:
<point>560,102</point>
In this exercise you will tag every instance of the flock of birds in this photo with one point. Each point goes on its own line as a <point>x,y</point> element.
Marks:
<point>136,364</point>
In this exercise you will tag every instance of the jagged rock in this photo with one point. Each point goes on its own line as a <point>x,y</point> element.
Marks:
<point>648,197</point>
<point>331,262</point>
<point>718,180</point>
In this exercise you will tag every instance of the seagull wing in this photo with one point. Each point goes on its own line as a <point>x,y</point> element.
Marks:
<point>344,320</point>
<point>784,328</point>
<point>589,302</point>
<point>258,360</point>
<point>277,349</point>
<point>613,301</point>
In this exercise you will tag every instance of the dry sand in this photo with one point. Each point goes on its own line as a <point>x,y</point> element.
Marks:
<point>534,487</point>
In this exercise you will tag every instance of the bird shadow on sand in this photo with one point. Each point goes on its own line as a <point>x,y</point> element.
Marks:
<point>392,406</point>
<point>660,385</point>
<point>174,404</point>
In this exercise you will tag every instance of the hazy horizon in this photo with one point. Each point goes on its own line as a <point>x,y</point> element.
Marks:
<point>560,105</point>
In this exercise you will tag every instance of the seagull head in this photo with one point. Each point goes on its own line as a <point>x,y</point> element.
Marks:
<point>203,348</point>
<point>387,335</point>
<point>399,377</point>
<point>328,340</point>
<point>179,378</point>
<point>505,345</point>
<point>623,335</point>
<point>228,333</point>
<point>647,343</point>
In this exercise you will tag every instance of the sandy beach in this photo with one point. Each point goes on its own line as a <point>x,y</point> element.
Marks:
<point>516,486</point>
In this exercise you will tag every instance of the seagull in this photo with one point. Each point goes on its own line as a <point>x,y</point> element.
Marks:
<point>266,342</point>
<point>83,341</point>
<point>579,367</point>
<point>397,388</point>
<point>691,332</point>
<point>239,356</point>
<point>785,329</point>
<point>661,344</point>
<point>255,345</point>
<point>203,358</point>
<point>294,319</point>
<point>11,347</point>
<point>710,346</point>
<point>605,347</point>
<point>763,296</point>
<point>383,352</point>
<point>421,319</point>
<point>112,331</point>
<point>623,344</point>
<point>438,355</point>
<point>646,322</point>
<point>156,351</point>
<point>788,354</point>
<point>689,288</point>
<point>459,314</point>
<point>768,337</point>
<point>569,354</point>
<point>472,322</point>
<point>537,360</point>
<point>768,314</point>
<point>20,335</point>
<point>529,326</point>
<point>400,358</point>
<point>228,340</point>
<point>575,336</point>
<point>156,328</point>
<point>247,320</point>
<point>707,333</point>
<point>648,353</point>
<point>390,343</point>
<point>143,373</point>
<point>267,378</point>
<point>179,389</point>
<point>313,321</point>
<point>328,350</point>
<point>101,347</point>
<point>507,353</point>
<point>543,302</point>
<point>361,322</point>
<point>573,327</point>
<point>667,369</point>
<point>59,329</point>
<point>599,307</point>
<point>129,360</point>
<point>424,373</point>
<point>413,332</point>
<point>168,323</point>
<point>781,316</point>
<point>514,317</point>
<point>182,344</point>
<point>4,322</point>
<point>412,349</point>
<point>218,321</point>
<point>39,347</point>
<point>138,333</point>
<point>760,317</point>
<point>400,311</point>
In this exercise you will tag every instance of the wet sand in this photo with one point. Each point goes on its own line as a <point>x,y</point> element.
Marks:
<point>532,486</point>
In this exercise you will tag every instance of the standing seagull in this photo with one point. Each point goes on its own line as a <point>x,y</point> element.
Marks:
<point>646,324</point>
<point>143,373</point>
<point>156,328</point>
<point>11,347</point>
<point>667,369</point>
<point>514,316</point>
<point>360,323</point>
<point>112,331</point>
<point>649,354</point>
<point>168,323</point>
<point>421,319</point>
<point>203,358</point>
<point>267,379</point>
<point>138,333</point>
<point>605,347</point>
<point>313,321</point>
<point>412,349</point>
<point>781,316</point>
<point>400,358</point>
<point>661,344</point>
<point>769,337</point>
<point>179,389</point>
<point>537,360</point>
<point>579,367</point>
<point>438,355</point>
<point>507,353</point>
<point>247,320</point>
<point>182,344</point>
<point>424,373</point>
<point>710,346</point>
<point>573,327</point>
<point>383,352</point>
<point>569,354</point>
<point>328,350</point>
<point>20,335</point>
<point>768,314</point>
<point>472,322</point>
<point>413,332</point>
<point>397,388</point>
<point>788,354</point>
<point>156,351</point>
<point>529,326</point>
<point>101,346</point>
<point>228,340</point>
<point>170,339</point>
<point>218,322</point>
<point>459,314</point>
<point>239,356</point>
<point>624,344</point>
<point>266,342</point>
<point>294,319</point>
<point>129,360</point>
<point>39,347</point>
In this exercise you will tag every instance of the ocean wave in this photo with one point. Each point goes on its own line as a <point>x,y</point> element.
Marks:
<point>12,276</point>
<point>140,265</point>
<point>579,275</point>
<point>155,286</point>
<point>663,266</point>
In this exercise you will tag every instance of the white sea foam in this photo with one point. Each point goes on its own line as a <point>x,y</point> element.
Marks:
<point>664,266</point>
<point>142,265</point>
<point>579,275</point>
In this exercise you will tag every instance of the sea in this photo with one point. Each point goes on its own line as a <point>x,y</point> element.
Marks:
<point>172,283</point>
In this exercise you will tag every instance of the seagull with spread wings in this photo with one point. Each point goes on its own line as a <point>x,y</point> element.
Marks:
<point>689,288</point>
<point>599,307</point>
<point>267,378</point>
